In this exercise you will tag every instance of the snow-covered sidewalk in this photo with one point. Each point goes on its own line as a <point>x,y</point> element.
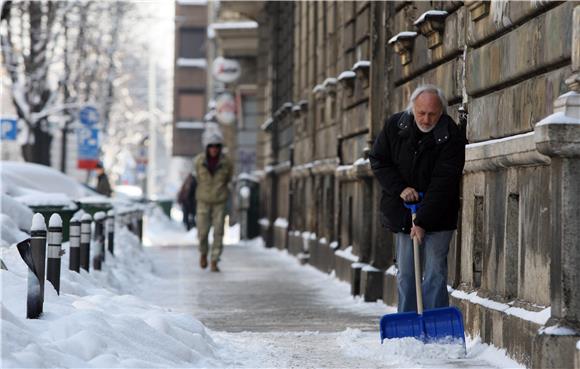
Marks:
<point>131,315</point>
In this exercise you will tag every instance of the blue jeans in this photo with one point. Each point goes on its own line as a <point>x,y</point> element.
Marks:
<point>433,252</point>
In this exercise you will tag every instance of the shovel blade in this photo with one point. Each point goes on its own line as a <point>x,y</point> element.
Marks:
<point>435,325</point>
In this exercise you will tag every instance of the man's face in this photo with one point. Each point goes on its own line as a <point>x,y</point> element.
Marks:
<point>427,111</point>
<point>213,150</point>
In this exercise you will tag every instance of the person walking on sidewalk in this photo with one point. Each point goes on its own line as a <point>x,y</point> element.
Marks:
<point>213,172</point>
<point>186,198</point>
<point>420,150</point>
<point>103,185</point>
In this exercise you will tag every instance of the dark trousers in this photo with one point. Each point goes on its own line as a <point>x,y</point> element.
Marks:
<point>188,216</point>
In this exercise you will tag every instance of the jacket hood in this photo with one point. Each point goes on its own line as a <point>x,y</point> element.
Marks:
<point>212,137</point>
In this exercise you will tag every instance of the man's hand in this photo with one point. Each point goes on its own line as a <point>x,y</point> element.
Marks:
<point>409,195</point>
<point>418,232</point>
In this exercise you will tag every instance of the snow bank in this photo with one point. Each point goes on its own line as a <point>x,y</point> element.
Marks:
<point>20,214</point>
<point>94,323</point>
<point>10,232</point>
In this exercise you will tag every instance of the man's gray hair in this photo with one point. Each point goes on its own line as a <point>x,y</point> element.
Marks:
<point>431,89</point>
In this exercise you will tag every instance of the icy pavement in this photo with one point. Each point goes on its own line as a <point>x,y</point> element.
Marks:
<point>265,310</point>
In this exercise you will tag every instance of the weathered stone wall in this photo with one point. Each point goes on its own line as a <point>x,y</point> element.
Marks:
<point>504,64</point>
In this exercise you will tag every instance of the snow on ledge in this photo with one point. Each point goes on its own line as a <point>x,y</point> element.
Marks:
<point>329,81</point>
<point>361,161</point>
<point>499,140</point>
<point>308,235</point>
<point>281,222</point>
<point>557,330</point>
<point>361,64</point>
<point>347,254</point>
<point>190,125</point>
<point>558,118</point>
<point>318,88</point>
<point>267,124</point>
<point>346,74</point>
<point>392,270</point>
<point>194,63</point>
<point>264,222</point>
<point>540,317</point>
<point>235,25</point>
<point>192,2</point>
<point>370,268</point>
<point>404,34</point>
<point>429,12</point>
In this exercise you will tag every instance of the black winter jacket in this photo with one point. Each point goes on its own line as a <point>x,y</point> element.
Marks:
<point>402,156</point>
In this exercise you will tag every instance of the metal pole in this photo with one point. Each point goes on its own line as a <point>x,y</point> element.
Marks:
<point>74,245</point>
<point>85,254</point>
<point>35,299</point>
<point>54,251</point>
<point>111,231</point>
<point>99,244</point>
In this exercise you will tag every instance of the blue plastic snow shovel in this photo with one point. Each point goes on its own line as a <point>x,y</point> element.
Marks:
<point>441,325</point>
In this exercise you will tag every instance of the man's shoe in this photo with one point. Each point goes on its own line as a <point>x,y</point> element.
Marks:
<point>214,267</point>
<point>203,261</point>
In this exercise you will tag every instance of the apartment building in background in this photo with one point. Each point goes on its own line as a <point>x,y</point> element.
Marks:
<point>189,88</point>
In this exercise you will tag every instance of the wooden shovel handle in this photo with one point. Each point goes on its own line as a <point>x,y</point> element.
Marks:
<point>417,259</point>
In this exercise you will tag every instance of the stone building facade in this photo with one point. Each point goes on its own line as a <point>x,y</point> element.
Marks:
<point>329,73</point>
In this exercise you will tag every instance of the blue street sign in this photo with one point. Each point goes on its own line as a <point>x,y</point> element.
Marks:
<point>89,116</point>
<point>9,127</point>
<point>88,147</point>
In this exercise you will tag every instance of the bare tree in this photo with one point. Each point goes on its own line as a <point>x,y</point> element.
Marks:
<point>91,44</point>
<point>28,47</point>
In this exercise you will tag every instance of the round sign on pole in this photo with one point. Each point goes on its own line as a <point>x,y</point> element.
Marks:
<point>89,116</point>
<point>226,70</point>
<point>226,108</point>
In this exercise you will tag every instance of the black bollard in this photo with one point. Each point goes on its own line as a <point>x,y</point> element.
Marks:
<point>33,252</point>
<point>139,215</point>
<point>128,221</point>
<point>99,237</point>
<point>74,243</point>
<point>54,251</point>
<point>85,254</point>
<point>111,231</point>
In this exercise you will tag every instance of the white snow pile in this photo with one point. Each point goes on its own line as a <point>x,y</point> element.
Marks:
<point>15,220</point>
<point>94,323</point>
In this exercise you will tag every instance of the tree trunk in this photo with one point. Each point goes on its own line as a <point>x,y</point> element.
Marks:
<point>39,151</point>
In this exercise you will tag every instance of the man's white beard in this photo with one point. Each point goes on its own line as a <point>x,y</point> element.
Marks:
<point>425,130</point>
